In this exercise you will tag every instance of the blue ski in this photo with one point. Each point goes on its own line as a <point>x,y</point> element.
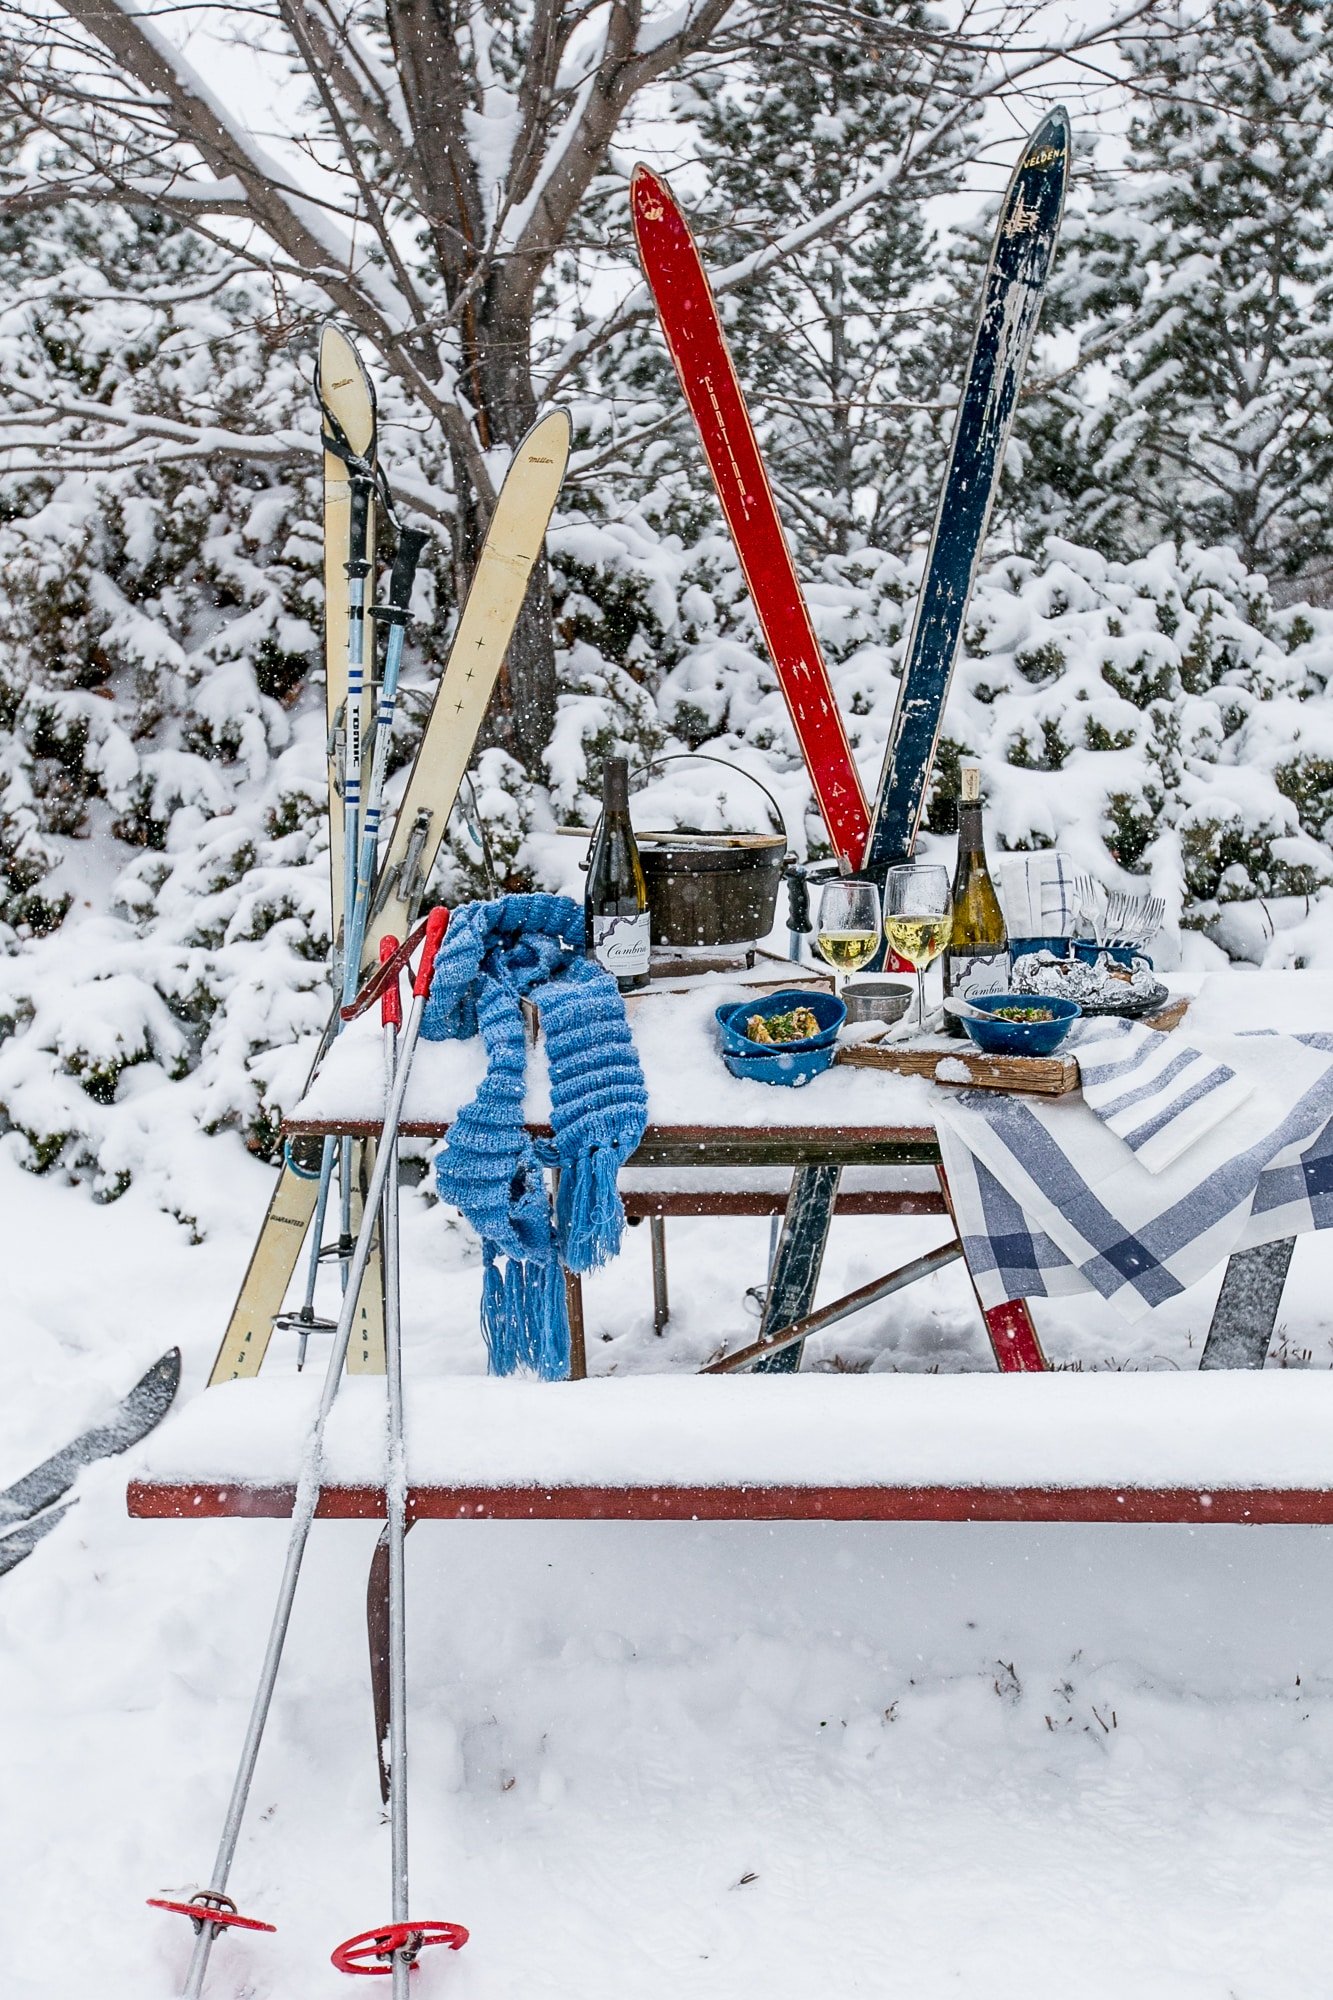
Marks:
<point>1010,301</point>
<point>1015,281</point>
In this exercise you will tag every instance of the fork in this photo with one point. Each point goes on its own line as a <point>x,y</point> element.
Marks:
<point>1132,920</point>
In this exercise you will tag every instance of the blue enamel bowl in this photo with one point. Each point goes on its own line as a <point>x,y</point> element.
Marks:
<point>1021,1038</point>
<point>827,1009</point>
<point>791,1065</point>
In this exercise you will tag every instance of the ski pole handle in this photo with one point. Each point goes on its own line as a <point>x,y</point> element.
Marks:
<point>436,925</point>
<point>391,1001</point>
<point>798,901</point>
<point>412,544</point>
<point>362,488</point>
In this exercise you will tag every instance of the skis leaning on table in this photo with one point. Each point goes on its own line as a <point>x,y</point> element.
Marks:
<point>698,347</point>
<point>1020,259</point>
<point>353,493</point>
<point>347,414</point>
<point>499,585</point>
<point>1025,239</point>
<point>28,1508</point>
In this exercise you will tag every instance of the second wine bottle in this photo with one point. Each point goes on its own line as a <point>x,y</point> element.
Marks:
<point>616,900</point>
<point>977,960</point>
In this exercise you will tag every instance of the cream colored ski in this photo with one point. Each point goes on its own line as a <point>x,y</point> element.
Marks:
<point>514,540</point>
<point>346,389</point>
<point>513,544</point>
<point>347,393</point>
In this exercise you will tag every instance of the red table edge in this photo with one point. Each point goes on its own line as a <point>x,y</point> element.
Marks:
<point>654,1135</point>
<point>1197,1506</point>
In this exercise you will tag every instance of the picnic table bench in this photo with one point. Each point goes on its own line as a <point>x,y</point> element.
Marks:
<point>1221,1448</point>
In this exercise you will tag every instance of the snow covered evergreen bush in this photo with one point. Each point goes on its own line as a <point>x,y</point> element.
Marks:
<point>1158,718</point>
<point>1197,276</point>
<point>163,869</point>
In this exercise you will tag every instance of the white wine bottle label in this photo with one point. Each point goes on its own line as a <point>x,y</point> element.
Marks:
<point>621,944</point>
<point>972,973</point>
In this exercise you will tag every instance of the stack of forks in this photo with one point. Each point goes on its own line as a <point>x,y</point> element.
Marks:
<point>1116,919</point>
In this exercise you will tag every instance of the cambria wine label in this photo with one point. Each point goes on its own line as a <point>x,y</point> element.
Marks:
<point>972,973</point>
<point>621,944</point>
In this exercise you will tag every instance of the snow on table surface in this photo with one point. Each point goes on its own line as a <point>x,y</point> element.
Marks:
<point>676,1037</point>
<point>1096,1429</point>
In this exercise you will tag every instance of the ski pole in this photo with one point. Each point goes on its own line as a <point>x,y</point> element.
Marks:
<point>399,1943</point>
<point>395,1506</point>
<point>396,614</point>
<point>363,487</point>
<point>358,569</point>
<point>207,1909</point>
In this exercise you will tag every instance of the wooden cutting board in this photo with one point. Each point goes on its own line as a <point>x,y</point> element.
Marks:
<point>945,1060</point>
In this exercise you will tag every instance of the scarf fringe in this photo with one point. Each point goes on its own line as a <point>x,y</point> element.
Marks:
<point>590,1216</point>
<point>523,1317</point>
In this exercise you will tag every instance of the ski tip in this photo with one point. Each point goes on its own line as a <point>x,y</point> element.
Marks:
<point>155,1391</point>
<point>548,442</point>
<point>1053,131</point>
<point>343,386</point>
<point>555,424</point>
<point>650,198</point>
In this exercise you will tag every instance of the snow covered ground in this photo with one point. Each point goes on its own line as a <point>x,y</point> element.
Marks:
<point>722,1761</point>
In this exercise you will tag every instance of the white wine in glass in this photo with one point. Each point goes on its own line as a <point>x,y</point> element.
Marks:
<point>917,906</point>
<point>847,925</point>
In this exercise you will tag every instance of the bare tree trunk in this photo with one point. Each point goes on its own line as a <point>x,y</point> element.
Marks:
<point>498,371</point>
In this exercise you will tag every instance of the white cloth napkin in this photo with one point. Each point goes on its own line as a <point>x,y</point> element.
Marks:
<point>1157,1092</point>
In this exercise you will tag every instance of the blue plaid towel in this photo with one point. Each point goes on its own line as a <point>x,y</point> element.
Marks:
<point>1153,1091</point>
<point>1051,1202</point>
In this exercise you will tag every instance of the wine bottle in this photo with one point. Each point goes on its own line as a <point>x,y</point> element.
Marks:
<point>616,901</point>
<point>977,960</point>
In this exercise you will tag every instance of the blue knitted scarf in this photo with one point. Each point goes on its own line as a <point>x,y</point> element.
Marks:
<point>493,956</point>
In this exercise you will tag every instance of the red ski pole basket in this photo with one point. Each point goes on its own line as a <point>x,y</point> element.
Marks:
<point>372,1952</point>
<point>210,1906</point>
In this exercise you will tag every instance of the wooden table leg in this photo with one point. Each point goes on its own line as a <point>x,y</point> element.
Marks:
<point>377,1633</point>
<point>795,1273</point>
<point>1009,1327</point>
<point>661,1299</point>
<point>578,1346</point>
<point>1247,1306</point>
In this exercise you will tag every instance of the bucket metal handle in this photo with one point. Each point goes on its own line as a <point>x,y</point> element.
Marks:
<point>702,757</point>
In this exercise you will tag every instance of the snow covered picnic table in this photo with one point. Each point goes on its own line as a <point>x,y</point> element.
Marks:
<point>702,1120</point>
<point>689,1091</point>
<point>1208,1448</point>
<point>1131,1447</point>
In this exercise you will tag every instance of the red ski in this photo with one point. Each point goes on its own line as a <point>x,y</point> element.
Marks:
<point>698,347</point>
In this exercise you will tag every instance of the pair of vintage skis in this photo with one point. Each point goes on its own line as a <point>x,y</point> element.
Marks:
<point>512,545</point>
<point>864,839</point>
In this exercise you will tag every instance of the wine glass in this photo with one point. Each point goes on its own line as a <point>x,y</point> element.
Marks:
<point>917,907</point>
<point>847,925</point>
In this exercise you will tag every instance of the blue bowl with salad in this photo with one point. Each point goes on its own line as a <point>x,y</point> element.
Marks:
<point>772,1022</point>
<point>1021,1024</point>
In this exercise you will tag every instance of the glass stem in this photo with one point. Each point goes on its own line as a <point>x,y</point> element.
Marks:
<point>921,998</point>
